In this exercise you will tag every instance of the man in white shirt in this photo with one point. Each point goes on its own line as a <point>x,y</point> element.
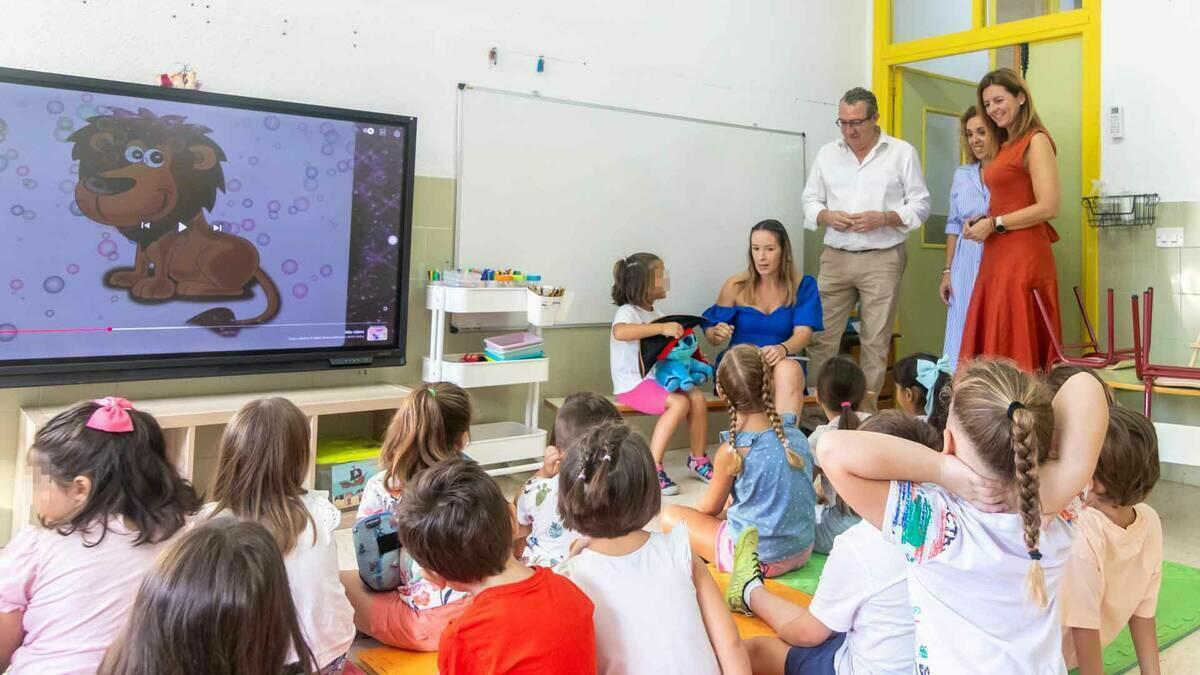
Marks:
<point>868,192</point>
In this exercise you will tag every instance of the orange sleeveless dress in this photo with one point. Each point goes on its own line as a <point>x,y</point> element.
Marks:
<point>1003,318</point>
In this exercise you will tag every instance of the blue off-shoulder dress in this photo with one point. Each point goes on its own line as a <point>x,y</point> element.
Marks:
<point>751,326</point>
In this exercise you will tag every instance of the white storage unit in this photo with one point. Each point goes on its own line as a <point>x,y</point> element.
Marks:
<point>501,447</point>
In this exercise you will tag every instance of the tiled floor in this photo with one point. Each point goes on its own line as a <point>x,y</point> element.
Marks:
<point>1177,504</point>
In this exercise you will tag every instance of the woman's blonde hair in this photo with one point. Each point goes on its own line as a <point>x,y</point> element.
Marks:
<point>1026,119</point>
<point>427,428</point>
<point>747,293</point>
<point>1007,416</point>
<point>262,461</point>
<point>746,383</point>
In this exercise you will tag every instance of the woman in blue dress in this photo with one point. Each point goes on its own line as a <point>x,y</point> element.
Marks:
<point>772,307</point>
<point>968,202</point>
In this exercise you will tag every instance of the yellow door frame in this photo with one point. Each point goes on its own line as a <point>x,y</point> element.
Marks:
<point>1083,23</point>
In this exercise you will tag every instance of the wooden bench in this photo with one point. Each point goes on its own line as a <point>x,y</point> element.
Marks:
<point>714,404</point>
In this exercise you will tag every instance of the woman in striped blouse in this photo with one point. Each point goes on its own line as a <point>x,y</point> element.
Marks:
<point>968,201</point>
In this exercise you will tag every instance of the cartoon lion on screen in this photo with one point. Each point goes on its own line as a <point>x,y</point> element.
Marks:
<point>153,178</point>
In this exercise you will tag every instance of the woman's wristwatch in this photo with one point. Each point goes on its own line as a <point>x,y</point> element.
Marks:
<point>998,224</point>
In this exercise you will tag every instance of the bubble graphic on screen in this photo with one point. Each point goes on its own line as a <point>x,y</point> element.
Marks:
<point>86,98</point>
<point>30,215</point>
<point>247,224</point>
<point>253,160</point>
<point>72,269</point>
<point>331,172</point>
<point>247,202</point>
<point>105,235</point>
<point>75,169</point>
<point>301,204</point>
<point>271,122</point>
<point>66,123</point>
<point>393,240</point>
<point>75,210</point>
<point>326,127</point>
<point>302,126</point>
<point>114,299</point>
<point>344,165</point>
<point>85,111</point>
<point>290,266</point>
<point>278,146</point>
<point>8,332</point>
<point>311,184</point>
<point>113,256</point>
<point>23,170</point>
<point>30,183</point>
<point>3,159</point>
<point>273,205</point>
<point>311,172</point>
<point>231,228</point>
<point>67,186</point>
<point>326,270</point>
<point>263,239</point>
<point>349,147</point>
<point>16,285</point>
<point>234,185</point>
<point>320,198</point>
<point>327,149</point>
<point>291,210</point>
<point>54,107</point>
<point>300,290</point>
<point>61,135</point>
<point>106,247</point>
<point>12,153</point>
<point>274,215</point>
<point>49,313</point>
<point>17,209</point>
<point>54,284</point>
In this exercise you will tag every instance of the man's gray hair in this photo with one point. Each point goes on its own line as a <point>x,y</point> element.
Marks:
<point>860,95</point>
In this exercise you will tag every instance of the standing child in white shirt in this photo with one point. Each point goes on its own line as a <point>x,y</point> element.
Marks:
<point>262,461</point>
<point>638,282</point>
<point>986,564</point>
<point>658,609</point>
<point>860,619</point>
<point>547,540</point>
<point>1115,570</point>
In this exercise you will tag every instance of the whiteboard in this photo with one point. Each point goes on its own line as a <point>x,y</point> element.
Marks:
<point>564,189</point>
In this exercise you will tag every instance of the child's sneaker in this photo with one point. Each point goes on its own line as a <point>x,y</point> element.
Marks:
<point>701,466</point>
<point>665,484</point>
<point>745,571</point>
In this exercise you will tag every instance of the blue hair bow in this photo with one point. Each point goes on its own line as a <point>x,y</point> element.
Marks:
<point>927,376</point>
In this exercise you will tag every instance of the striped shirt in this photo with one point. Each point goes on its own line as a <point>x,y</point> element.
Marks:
<point>968,200</point>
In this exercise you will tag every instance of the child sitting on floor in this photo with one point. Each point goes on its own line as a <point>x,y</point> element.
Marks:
<point>841,389</point>
<point>764,465</point>
<point>860,619</point>
<point>431,426</point>
<point>107,501</point>
<point>547,542</point>
<point>658,609</point>
<point>455,522</point>
<point>920,379</point>
<point>1115,568</point>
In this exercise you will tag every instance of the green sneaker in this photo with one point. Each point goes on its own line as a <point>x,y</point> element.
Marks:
<point>745,569</point>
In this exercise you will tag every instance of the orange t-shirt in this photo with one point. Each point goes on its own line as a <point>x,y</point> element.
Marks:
<point>540,625</point>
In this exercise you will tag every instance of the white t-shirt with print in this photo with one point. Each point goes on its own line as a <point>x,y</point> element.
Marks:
<point>549,542</point>
<point>966,581</point>
<point>624,357</point>
<point>864,593</point>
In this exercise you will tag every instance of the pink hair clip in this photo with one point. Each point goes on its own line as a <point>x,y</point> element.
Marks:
<point>112,416</point>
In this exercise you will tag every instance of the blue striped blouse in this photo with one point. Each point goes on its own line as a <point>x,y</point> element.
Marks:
<point>968,199</point>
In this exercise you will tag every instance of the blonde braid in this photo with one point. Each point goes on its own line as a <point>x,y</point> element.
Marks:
<point>768,398</point>
<point>736,468</point>
<point>1026,461</point>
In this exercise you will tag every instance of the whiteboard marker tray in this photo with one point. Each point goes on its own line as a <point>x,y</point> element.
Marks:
<point>506,443</point>
<point>488,373</point>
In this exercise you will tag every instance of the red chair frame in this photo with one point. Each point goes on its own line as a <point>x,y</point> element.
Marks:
<point>1090,356</point>
<point>1149,372</point>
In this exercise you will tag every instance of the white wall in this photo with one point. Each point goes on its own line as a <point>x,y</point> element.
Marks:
<point>778,63</point>
<point>1148,67</point>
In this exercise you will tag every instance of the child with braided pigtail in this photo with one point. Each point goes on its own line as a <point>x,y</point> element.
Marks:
<point>658,609</point>
<point>763,472</point>
<point>986,517</point>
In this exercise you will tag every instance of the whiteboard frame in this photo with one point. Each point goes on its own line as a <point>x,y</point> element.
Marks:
<point>534,95</point>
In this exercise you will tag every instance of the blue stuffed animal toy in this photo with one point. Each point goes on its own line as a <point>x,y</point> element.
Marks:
<point>679,371</point>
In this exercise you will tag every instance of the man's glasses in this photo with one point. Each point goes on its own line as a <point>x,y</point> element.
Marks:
<point>852,124</point>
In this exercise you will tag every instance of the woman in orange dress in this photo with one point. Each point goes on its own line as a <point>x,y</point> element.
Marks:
<point>1003,318</point>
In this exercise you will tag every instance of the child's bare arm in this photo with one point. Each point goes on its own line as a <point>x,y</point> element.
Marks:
<point>1145,644</point>
<point>12,634</point>
<point>1081,415</point>
<point>722,632</point>
<point>862,465</point>
<point>628,332</point>
<point>1088,651</point>
<point>715,496</point>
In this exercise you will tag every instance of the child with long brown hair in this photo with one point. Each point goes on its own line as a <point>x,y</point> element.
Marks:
<point>985,517</point>
<point>218,603</point>
<point>639,281</point>
<point>764,465</point>
<point>107,501</point>
<point>262,461</point>
<point>658,609</point>
<point>432,424</point>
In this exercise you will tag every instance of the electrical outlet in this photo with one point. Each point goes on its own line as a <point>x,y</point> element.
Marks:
<point>1168,237</point>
